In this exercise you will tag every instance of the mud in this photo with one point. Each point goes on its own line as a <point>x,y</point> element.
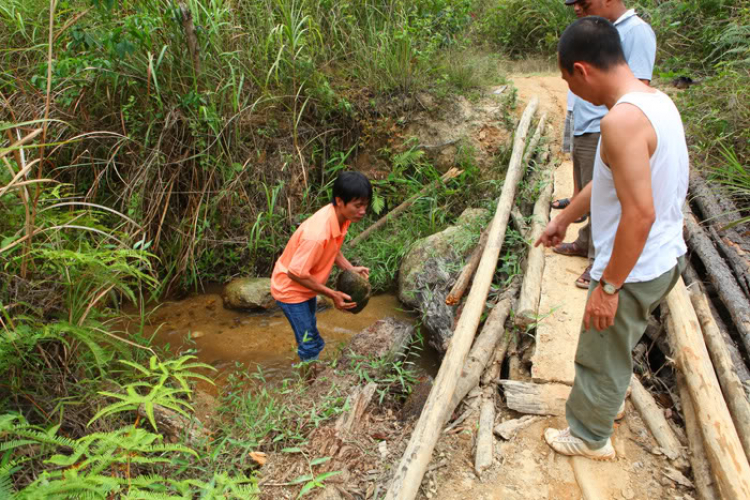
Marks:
<point>260,342</point>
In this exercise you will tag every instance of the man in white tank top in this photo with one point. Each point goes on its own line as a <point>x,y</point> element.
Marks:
<point>635,199</point>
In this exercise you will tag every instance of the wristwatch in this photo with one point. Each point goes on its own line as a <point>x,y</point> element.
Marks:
<point>608,288</point>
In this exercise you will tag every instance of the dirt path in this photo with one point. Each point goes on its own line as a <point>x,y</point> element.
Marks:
<point>525,467</point>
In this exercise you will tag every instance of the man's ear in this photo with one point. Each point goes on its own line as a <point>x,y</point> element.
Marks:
<point>580,69</point>
<point>338,202</point>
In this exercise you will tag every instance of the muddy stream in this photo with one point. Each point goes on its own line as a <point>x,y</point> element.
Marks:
<point>262,342</point>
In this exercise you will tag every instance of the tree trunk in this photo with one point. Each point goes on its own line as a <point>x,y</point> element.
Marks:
<point>459,287</point>
<point>725,453</point>
<point>731,386</point>
<point>721,277</point>
<point>409,472</point>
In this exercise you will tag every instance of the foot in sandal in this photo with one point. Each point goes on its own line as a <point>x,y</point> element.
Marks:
<point>565,443</point>
<point>560,204</point>
<point>584,280</point>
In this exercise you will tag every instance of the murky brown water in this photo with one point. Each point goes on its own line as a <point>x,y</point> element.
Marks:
<point>259,341</point>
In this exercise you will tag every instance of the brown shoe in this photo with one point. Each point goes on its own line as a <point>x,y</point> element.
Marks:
<point>571,249</point>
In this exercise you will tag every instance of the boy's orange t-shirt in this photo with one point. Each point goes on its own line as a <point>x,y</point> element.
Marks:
<point>310,253</point>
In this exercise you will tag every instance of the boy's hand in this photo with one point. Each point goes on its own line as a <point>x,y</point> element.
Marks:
<point>362,271</point>
<point>340,301</point>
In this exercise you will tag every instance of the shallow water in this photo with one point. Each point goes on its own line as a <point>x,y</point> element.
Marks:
<point>259,341</point>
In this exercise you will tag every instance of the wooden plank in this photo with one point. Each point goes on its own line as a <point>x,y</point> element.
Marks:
<point>535,399</point>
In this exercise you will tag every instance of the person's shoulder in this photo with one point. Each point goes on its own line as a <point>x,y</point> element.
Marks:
<point>623,118</point>
<point>317,226</point>
<point>636,27</point>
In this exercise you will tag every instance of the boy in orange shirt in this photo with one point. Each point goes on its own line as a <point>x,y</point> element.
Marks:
<point>302,271</point>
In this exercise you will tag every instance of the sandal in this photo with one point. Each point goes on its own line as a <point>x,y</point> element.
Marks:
<point>584,280</point>
<point>571,249</point>
<point>560,204</point>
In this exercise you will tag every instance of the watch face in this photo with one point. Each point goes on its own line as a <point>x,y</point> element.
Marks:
<point>610,289</point>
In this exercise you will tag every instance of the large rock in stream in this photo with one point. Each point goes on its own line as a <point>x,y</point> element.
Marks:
<point>429,270</point>
<point>248,293</point>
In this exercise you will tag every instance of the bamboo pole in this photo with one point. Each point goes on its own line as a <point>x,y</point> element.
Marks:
<point>409,472</point>
<point>723,447</point>
<point>731,386</point>
<point>450,174</point>
<point>531,291</point>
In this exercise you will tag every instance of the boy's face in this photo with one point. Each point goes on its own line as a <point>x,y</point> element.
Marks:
<point>355,210</point>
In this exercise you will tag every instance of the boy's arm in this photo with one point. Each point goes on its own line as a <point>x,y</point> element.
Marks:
<point>344,264</point>
<point>341,300</point>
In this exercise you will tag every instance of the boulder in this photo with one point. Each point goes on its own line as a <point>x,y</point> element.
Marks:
<point>429,269</point>
<point>248,293</point>
<point>356,287</point>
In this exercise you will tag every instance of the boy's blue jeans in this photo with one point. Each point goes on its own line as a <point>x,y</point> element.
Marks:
<point>302,318</point>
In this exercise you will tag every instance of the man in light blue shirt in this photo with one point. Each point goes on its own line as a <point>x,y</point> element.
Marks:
<point>639,45</point>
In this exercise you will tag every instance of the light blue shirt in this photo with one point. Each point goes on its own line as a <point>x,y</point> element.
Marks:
<point>639,45</point>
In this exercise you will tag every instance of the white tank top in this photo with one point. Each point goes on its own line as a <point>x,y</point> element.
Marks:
<point>669,184</point>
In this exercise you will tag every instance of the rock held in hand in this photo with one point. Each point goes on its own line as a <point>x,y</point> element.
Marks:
<point>355,286</point>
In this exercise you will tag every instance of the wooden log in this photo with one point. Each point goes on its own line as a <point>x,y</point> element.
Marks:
<point>462,283</point>
<point>408,474</point>
<point>535,399</point>
<point>723,447</point>
<point>719,212</point>
<point>450,174</point>
<point>454,297</point>
<point>721,277</point>
<point>357,403</point>
<point>518,221</point>
<point>653,416</point>
<point>534,142</point>
<point>493,338</point>
<point>531,291</point>
<point>704,483</point>
<point>508,429</point>
<point>731,386</point>
<point>485,450</point>
<point>691,277</point>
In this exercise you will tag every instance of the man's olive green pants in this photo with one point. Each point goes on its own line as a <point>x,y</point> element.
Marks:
<point>604,363</point>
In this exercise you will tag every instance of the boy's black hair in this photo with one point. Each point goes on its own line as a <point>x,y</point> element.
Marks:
<point>593,40</point>
<point>351,186</point>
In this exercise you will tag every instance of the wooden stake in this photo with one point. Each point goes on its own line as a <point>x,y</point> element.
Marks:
<point>408,474</point>
<point>704,483</point>
<point>653,416</point>
<point>723,447</point>
<point>485,451</point>
<point>528,304</point>
<point>450,174</point>
<point>731,386</point>
<point>722,278</point>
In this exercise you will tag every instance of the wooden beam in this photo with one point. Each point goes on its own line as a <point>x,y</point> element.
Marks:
<point>536,399</point>
<point>723,447</point>
<point>653,416</point>
<point>409,472</point>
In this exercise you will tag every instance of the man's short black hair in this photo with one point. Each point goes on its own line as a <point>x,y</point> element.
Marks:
<point>351,186</point>
<point>593,40</point>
